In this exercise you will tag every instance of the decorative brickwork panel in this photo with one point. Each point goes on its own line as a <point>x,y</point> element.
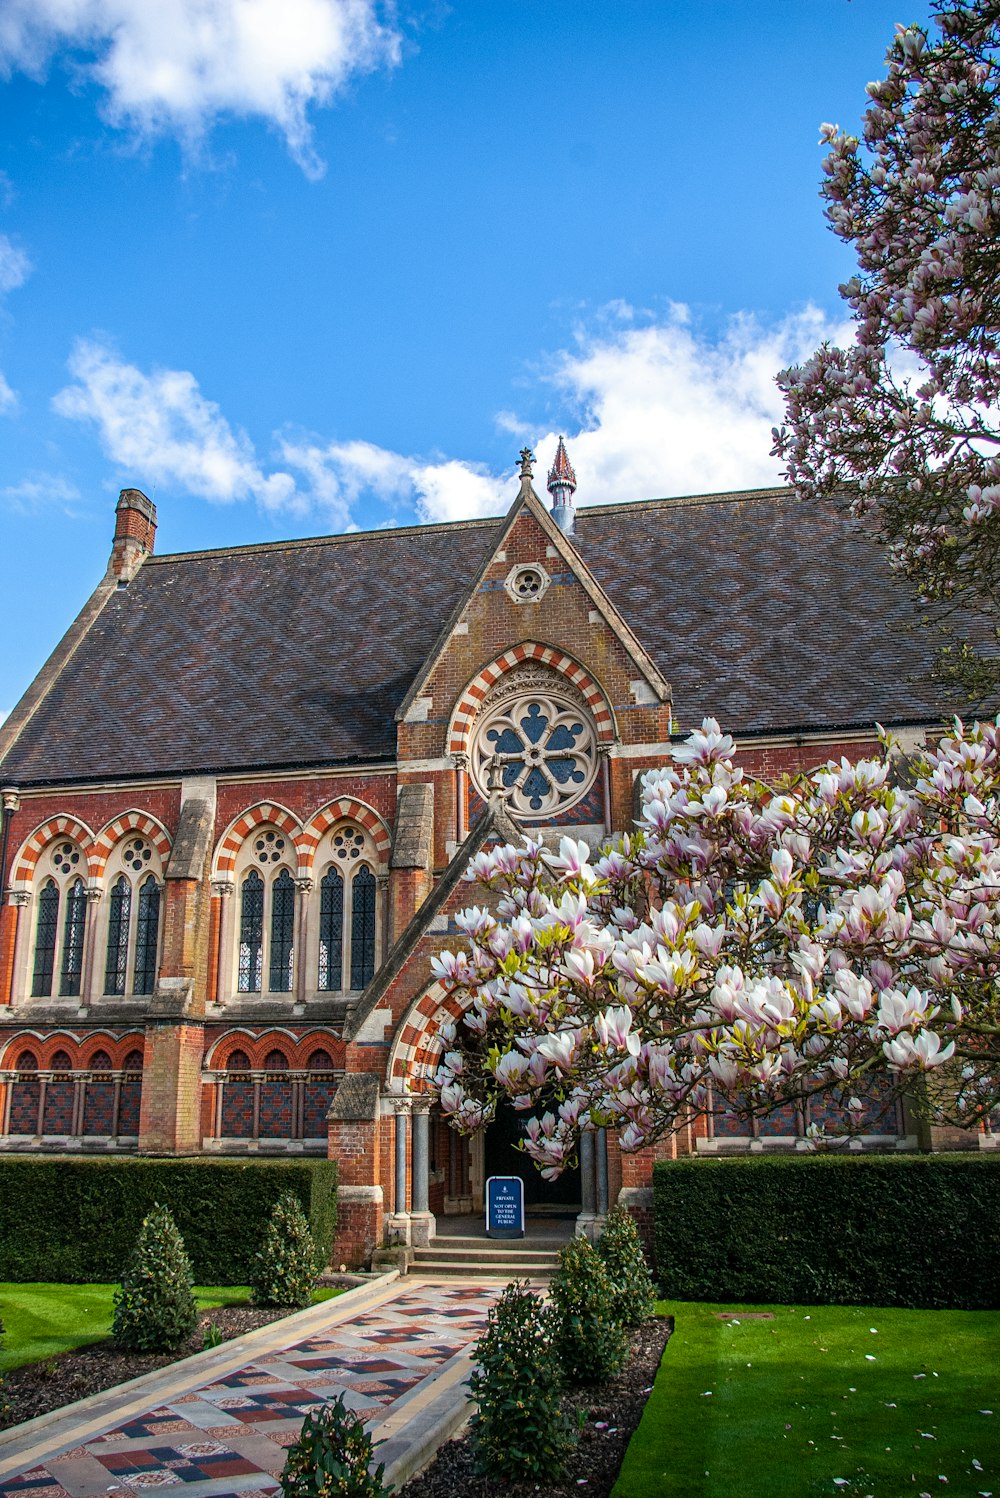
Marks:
<point>237,1108</point>
<point>128,1113</point>
<point>782,1123</point>
<point>58,1118</point>
<point>318,1097</point>
<point>24,1106</point>
<point>276,1109</point>
<point>99,1108</point>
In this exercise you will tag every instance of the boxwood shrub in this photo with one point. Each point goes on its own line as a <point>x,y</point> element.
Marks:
<point>890,1230</point>
<point>77,1219</point>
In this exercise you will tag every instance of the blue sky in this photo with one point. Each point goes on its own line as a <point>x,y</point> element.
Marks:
<point>291,266</point>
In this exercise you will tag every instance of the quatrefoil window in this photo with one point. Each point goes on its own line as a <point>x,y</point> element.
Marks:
<point>540,749</point>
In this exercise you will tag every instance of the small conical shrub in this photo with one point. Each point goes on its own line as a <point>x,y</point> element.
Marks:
<point>590,1340</point>
<point>332,1458</point>
<point>620,1247</point>
<point>155,1310</point>
<point>284,1270</point>
<point>520,1431</point>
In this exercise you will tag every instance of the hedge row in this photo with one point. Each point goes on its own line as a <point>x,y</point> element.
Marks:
<point>75,1220</point>
<point>889,1230</point>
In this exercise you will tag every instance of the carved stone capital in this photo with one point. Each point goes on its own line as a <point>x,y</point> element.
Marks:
<point>460,761</point>
<point>222,887</point>
<point>11,801</point>
<point>304,886</point>
<point>20,897</point>
<point>93,895</point>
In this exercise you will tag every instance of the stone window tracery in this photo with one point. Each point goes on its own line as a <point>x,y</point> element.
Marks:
<point>348,916</point>
<point>536,742</point>
<point>266,914</point>
<point>132,918</point>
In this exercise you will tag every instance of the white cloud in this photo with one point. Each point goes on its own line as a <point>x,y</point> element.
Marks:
<point>41,491</point>
<point>8,397</point>
<point>653,409</point>
<point>160,426</point>
<point>15,267</point>
<point>178,65</point>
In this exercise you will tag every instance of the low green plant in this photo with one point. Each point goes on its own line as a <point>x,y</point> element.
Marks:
<point>332,1458</point>
<point>520,1431</point>
<point>212,1336</point>
<point>155,1309</point>
<point>284,1271</point>
<point>590,1340</point>
<point>620,1248</point>
<point>4,1402</point>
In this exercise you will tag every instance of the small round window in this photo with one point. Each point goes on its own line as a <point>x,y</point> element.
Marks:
<point>540,749</point>
<point>527,583</point>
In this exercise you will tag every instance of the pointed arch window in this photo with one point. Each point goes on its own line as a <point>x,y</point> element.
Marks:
<point>282,932</point>
<point>74,929</point>
<point>119,912</point>
<point>331,931</point>
<point>251,933</point>
<point>45,940</point>
<point>362,928</point>
<point>146,931</point>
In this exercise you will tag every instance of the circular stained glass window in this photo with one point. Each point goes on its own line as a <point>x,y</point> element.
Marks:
<point>540,749</point>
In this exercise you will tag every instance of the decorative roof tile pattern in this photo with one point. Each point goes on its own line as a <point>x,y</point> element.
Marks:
<point>765,613</point>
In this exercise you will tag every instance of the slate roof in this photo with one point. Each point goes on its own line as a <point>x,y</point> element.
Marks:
<point>768,615</point>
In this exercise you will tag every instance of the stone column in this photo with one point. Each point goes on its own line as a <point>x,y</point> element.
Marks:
<point>382,943</point>
<point>602,1177</point>
<point>91,980</point>
<point>224,889</point>
<point>585,1223</point>
<point>300,938</point>
<point>20,984</point>
<point>398,1223</point>
<point>604,751</point>
<point>422,1222</point>
<point>461,780</point>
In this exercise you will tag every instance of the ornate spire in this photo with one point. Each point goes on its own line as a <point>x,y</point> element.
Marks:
<point>562,482</point>
<point>527,458</point>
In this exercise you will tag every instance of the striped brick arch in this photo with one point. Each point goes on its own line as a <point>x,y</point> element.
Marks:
<point>32,850</point>
<point>130,821</point>
<point>344,809</point>
<point>239,830</point>
<point>471,699</point>
<point>417,1047</point>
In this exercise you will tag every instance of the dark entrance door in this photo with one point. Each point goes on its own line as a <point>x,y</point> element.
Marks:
<point>502,1158</point>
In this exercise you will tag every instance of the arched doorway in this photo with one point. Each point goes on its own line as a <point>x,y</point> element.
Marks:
<point>503,1158</point>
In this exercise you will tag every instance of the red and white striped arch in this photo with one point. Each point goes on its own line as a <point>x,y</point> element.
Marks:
<point>471,700</point>
<point>241,827</point>
<point>34,846</point>
<point>344,809</point>
<point>417,1046</point>
<point>128,822</point>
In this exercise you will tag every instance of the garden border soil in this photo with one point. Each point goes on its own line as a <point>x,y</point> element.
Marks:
<point>612,1409</point>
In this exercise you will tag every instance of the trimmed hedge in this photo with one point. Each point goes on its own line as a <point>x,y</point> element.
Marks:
<point>891,1230</point>
<point>76,1220</point>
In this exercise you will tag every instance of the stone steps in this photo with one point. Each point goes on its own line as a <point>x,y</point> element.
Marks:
<point>508,1258</point>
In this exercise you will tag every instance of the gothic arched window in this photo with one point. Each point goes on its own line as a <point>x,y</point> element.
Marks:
<point>282,928</point>
<point>331,930</point>
<point>74,928</point>
<point>46,930</point>
<point>146,930</point>
<point>251,933</point>
<point>348,916</point>
<point>119,910</point>
<point>362,928</point>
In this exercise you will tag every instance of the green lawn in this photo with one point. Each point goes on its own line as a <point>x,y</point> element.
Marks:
<point>821,1400</point>
<point>43,1320</point>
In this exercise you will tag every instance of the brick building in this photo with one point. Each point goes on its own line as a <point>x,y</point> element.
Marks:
<point>239,798</point>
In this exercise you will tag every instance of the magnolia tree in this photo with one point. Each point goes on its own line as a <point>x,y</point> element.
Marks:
<point>908,420</point>
<point>747,947</point>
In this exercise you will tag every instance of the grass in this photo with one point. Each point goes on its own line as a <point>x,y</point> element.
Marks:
<point>43,1320</point>
<point>816,1402</point>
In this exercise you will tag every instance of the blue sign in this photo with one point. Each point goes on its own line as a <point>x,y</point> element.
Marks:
<point>505,1207</point>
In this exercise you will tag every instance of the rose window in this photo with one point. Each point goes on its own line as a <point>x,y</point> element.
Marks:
<point>269,847</point>
<point>539,749</point>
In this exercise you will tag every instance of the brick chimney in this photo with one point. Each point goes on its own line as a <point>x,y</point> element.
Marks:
<point>135,532</point>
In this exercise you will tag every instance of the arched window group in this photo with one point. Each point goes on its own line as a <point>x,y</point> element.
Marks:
<point>64,1101</point>
<point>127,911</point>
<point>340,951</point>
<point>275,1101</point>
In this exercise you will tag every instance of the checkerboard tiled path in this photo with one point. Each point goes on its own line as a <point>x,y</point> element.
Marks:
<point>218,1424</point>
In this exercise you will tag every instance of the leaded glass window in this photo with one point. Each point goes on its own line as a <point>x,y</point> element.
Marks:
<point>282,929</point>
<point>119,911</point>
<point>251,934</point>
<point>362,928</point>
<point>45,940</point>
<point>331,931</point>
<point>146,932</point>
<point>536,744</point>
<point>74,929</point>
